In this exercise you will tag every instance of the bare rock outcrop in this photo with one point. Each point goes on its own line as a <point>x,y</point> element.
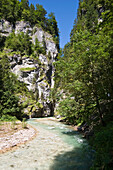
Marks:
<point>38,75</point>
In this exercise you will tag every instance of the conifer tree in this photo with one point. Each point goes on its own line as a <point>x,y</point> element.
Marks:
<point>9,103</point>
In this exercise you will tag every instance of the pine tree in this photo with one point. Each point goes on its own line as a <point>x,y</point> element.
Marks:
<point>9,103</point>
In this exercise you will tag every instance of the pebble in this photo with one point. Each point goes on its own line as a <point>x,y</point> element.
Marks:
<point>39,153</point>
<point>19,137</point>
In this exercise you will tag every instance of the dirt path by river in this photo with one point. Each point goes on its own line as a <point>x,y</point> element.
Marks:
<point>38,154</point>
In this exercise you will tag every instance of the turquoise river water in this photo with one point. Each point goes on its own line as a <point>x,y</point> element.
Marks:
<point>55,147</point>
<point>80,157</point>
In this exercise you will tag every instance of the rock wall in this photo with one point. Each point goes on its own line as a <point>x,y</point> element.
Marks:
<point>38,76</point>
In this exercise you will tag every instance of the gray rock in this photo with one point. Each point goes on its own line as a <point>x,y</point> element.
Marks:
<point>28,69</point>
<point>5,27</point>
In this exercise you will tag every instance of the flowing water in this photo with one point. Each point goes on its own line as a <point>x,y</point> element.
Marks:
<point>80,157</point>
<point>56,147</point>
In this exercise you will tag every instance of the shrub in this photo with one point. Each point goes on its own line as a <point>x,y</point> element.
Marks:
<point>24,124</point>
<point>103,144</point>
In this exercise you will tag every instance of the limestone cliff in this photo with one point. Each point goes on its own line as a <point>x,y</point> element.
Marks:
<point>37,74</point>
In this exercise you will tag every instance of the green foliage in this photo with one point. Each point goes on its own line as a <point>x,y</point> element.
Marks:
<point>85,71</point>
<point>39,105</point>
<point>15,10</point>
<point>9,102</point>
<point>11,90</point>
<point>103,144</point>
<point>53,28</point>
<point>32,18</point>
<point>2,42</point>
<point>10,11</point>
<point>28,69</point>
<point>40,13</point>
<point>13,122</point>
<point>87,15</point>
<point>84,75</point>
<point>25,104</point>
<point>49,57</point>
<point>38,49</point>
<point>67,109</point>
<point>8,118</point>
<point>24,124</point>
<point>19,42</point>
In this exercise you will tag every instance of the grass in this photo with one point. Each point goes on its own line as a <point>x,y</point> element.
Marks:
<point>10,124</point>
<point>28,69</point>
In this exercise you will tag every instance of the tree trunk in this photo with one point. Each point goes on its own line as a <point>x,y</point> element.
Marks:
<point>99,110</point>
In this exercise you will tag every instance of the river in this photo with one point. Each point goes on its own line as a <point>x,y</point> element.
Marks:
<point>56,147</point>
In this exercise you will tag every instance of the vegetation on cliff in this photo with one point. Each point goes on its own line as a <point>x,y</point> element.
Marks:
<point>14,95</point>
<point>9,102</point>
<point>84,69</point>
<point>15,10</point>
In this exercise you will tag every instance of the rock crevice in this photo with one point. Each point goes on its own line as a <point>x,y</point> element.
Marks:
<point>37,74</point>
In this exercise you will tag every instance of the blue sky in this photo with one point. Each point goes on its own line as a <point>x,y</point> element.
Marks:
<point>65,12</point>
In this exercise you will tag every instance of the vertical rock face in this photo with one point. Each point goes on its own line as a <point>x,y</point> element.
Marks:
<point>38,75</point>
<point>5,27</point>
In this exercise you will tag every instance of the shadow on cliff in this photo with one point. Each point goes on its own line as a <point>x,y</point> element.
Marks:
<point>77,159</point>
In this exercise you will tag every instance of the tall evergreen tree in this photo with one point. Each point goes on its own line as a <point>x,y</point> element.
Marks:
<point>9,11</point>
<point>85,76</point>
<point>53,28</point>
<point>9,103</point>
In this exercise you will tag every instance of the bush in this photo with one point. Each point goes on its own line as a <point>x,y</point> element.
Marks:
<point>67,108</point>
<point>8,118</point>
<point>24,124</point>
<point>103,144</point>
<point>20,42</point>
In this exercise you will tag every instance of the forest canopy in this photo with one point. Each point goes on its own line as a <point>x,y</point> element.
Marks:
<point>84,74</point>
<point>15,10</point>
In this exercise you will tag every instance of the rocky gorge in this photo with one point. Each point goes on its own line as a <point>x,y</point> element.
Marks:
<point>37,74</point>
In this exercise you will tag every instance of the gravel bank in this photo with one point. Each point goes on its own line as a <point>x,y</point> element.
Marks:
<point>11,141</point>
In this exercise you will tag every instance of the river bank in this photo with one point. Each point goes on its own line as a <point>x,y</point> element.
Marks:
<point>55,147</point>
<point>12,137</point>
